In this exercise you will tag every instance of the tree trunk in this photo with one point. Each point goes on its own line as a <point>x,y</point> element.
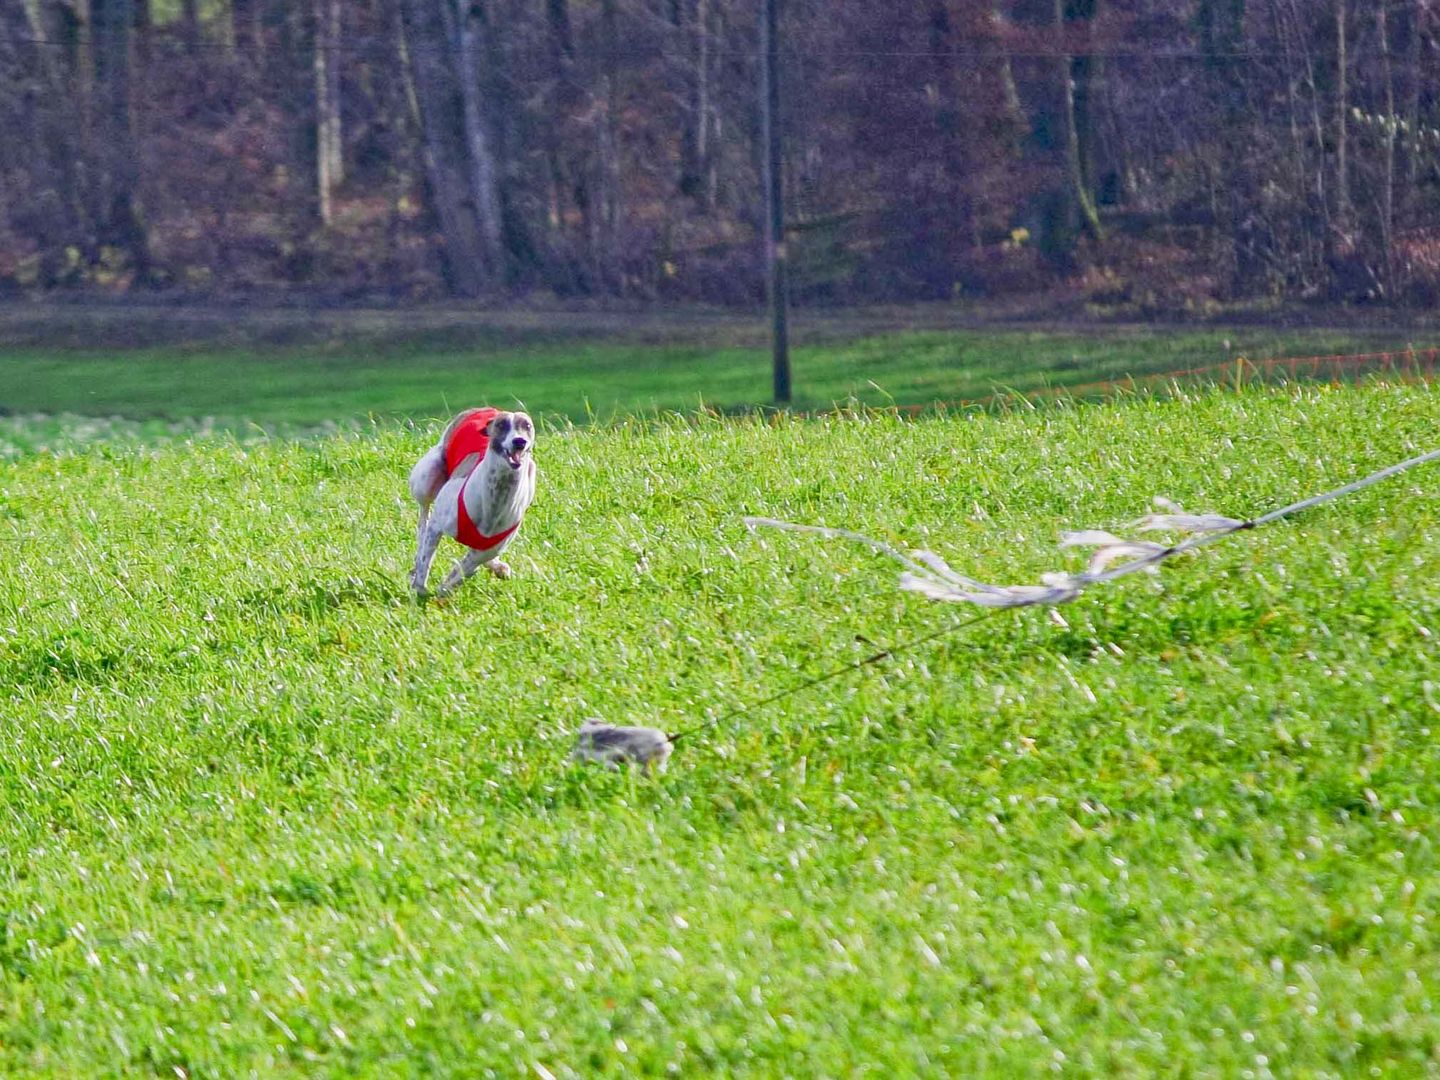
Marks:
<point>565,183</point>
<point>557,13</point>
<point>606,221</point>
<point>1237,201</point>
<point>329,146</point>
<point>290,70</point>
<point>190,23</point>
<point>1076,98</point>
<point>1412,106</point>
<point>1342,120</point>
<point>952,188</point>
<point>426,50</point>
<point>693,17</point>
<point>465,28</point>
<point>117,213</point>
<point>1387,186</point>
<point>144,24</point>
<point>1010,90</point>
<point>703,94</point>
<point>1307,135</point>
<point>144,32</point>
<point>245,32</point>
<point>41,145</point>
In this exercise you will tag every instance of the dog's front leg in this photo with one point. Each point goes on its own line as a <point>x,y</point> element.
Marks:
<point>424,556</point>
<point>462,571</point>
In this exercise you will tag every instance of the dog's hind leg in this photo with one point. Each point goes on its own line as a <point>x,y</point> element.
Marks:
<point>420,529</point>
<point>463,570</point>
<point>424,555</point>
<point>426,479</point>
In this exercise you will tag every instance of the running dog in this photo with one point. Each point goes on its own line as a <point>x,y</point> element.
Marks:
<point>474,486</point>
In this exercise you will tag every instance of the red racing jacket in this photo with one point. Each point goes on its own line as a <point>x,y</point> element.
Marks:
<point>471,436</point>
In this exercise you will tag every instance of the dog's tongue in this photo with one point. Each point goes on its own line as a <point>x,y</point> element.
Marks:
<point>514,459</point>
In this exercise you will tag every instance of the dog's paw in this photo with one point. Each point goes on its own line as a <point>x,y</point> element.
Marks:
<point>500,569</point>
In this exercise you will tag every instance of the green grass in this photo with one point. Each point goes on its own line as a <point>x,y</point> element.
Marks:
<point>577,378</point>
<point>260,814</point>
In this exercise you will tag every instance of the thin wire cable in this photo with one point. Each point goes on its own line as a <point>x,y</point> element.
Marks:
<point>368,42</point>
<point>942,583</point>
<point>1373,478</point>
<point>1081,580</point>
<point>1264,519</point>
<point>883,654</point>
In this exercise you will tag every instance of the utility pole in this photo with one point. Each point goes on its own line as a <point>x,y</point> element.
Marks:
<point>775,251</point>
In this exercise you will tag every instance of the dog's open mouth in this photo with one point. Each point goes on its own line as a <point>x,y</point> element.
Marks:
<point>514,458</point>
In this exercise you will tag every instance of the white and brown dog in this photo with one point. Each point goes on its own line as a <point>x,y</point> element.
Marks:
<point>474,485</point>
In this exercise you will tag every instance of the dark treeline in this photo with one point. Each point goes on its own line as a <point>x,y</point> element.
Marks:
<point>1157,153</point>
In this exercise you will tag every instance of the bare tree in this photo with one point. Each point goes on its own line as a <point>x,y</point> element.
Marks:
<point>246,35</point>
<point>429,51</point>
<point>1229,148</point>
<point>691,19</point>
<point>1078,99</point>
<point>1387,140</point>
<point>606,219</point>
<point>116,210</point>
<point>464,26</point>
<point>190,23</point>
<point>1414,81</point>
<point>39,158</point>
<point>329,146</point>
<point>1342,117</point>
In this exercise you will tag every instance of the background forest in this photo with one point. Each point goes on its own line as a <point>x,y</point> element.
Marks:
<point>1158,155</point>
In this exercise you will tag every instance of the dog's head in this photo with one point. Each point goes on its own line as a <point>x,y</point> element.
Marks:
<point>512,434</point>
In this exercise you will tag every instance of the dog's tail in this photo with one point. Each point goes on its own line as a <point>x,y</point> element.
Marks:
<point>428,476</point>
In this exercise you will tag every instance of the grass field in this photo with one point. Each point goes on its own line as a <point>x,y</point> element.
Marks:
<point>578,379</point>
<point>260,814</point>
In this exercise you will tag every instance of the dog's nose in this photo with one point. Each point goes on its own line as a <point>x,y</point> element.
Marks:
<point>517,444</point>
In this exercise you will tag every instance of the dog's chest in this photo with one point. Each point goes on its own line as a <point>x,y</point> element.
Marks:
<point>504,497</point>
